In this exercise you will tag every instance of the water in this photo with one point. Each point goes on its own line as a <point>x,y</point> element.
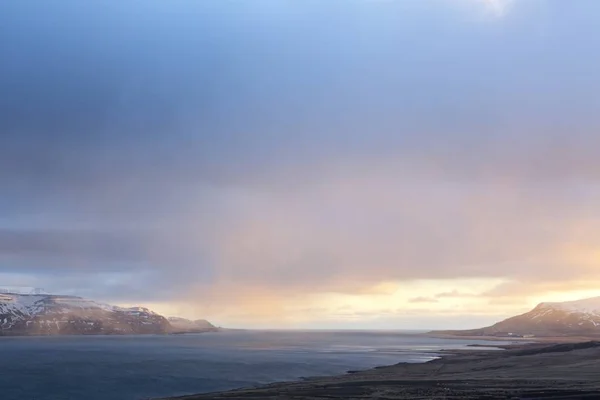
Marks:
<point>141,367</point>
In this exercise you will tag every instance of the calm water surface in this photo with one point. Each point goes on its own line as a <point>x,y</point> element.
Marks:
<point>142,367</point>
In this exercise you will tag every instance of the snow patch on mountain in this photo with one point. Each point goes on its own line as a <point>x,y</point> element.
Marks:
<point>585,306</point>
<point>16,308</point>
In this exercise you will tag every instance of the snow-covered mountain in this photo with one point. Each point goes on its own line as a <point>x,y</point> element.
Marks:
<point>570,318</point>
<point>40,314</point>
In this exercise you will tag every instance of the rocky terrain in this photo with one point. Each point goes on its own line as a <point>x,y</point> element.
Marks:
<point>543,372</point>
<point>44,314</point>
<point>580,318</point>
<point>182,325</point>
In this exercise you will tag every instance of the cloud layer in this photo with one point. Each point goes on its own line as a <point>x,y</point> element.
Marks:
<point>307,161</point>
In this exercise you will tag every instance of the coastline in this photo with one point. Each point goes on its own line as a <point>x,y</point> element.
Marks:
<point>535,339</point>
<point>540,370</point>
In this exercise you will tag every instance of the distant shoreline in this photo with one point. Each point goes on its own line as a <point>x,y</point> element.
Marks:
<point>534,339</point>
<point>111,334</point>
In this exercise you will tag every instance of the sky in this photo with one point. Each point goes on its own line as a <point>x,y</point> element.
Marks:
<point>361,164</point>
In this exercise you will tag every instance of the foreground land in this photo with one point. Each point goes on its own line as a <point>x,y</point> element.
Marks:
<point>528,371</point>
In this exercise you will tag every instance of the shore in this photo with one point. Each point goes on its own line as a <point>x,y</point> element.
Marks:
<point>516,339</point>
<point>521,371</point>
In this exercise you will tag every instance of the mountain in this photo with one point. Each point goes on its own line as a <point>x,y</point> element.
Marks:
<point>43,314</point>
<point>182,325</point>
<point>570,318</point>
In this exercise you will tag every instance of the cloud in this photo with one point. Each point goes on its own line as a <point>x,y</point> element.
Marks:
<point>79,244</point>
<point>454,294</point>
<point>243,174</point>
<point>422,300</point>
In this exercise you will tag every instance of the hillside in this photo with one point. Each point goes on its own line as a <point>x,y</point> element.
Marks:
<point>182,325</point>
<point>573,318</point>
<point>44,314</point>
